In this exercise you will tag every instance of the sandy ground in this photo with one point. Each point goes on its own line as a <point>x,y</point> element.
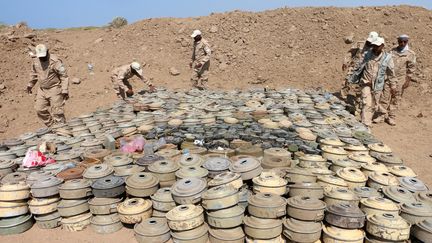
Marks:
<point>281,48</point>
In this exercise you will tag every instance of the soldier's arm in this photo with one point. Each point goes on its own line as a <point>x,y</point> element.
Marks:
<point>391,77</point>
<point>207,50</point>
<point>120,83</point>
<point>145,80</point>
<point>347,60</point>
<point>62,74</point>
<point>33,76</point>
<point>411,67</point>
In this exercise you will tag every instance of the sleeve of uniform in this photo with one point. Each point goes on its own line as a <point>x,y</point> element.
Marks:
<point>347,58</point>
<point>207,50</point>
<point>146,80</point>
<point>33,76</point>
<point>120,78</point>
<point>411,67</point>
<point>391,74</point>
<point>62,74</point>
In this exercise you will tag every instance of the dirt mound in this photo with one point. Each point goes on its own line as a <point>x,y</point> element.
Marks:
<point>300,47</point>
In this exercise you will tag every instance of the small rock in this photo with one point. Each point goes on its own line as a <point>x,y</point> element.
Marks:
<point>223,66</point>
<point>76,80</point>
<point>174,71</point>
<point>2,87</point>
<point>99,40</point>
<point>349,39</point>
<point>419,115</point>
<point>213,29</point>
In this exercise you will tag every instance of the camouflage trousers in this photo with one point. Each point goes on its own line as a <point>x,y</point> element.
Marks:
<point>388,101</point>
<point>200,76</point>
<point>49,106</point>
<point>369,104</point>
<point>351,94</point>
<point>120,92</point>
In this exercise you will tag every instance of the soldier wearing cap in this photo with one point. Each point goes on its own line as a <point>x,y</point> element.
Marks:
<point>404,60</point>
<point>200,60</point>
<point>53,89</point>
<point>351,92</point>
<point>378,71</point>
<point>120,79</point>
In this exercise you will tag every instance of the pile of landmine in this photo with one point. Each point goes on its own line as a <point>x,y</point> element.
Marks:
<point>262,166</point>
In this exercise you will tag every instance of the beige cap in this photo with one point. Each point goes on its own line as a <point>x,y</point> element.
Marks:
<point>195,33</point>
<point>372,36</point>
<point>41,50</point>
<point>378,41</point>
<point>137,67</point>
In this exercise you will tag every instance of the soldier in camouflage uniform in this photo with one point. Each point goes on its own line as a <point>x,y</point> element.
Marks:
<point>352,92</point>
<point>378,72</point>
<point>53,89</point>
<point>122,74</point>
<point>404,60</point>
<point>200,60</point>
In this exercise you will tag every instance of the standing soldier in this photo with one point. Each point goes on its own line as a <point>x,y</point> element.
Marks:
<point>200,60</point>
<point>53,90</point>
<point>120,79</point>
<point>404,60</point>
<point>378,71</point>
<point>353,57</point>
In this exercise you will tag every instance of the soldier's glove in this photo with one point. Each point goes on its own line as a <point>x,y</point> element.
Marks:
<point>190,64</point>
<point>29,90</point>
<point>198,65</point>
<point>65,96</point>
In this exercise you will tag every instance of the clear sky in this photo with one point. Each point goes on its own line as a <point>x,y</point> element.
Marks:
<point>75,13</point>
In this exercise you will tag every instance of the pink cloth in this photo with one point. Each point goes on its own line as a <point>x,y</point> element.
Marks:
<point>36,158</point>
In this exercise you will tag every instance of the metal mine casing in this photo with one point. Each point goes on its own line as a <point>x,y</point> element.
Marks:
<point>13,208</point>
<point>311,189</point>
<point>300,175</point>
<point>305,208</point>
<point>259,228</point>
<point>152,230</point>
<point>103,206</point>
<point>220,197</point>
<point>72,207</point>
<point>248,167</point>
<point>106,224</point>
<point>388,227</point>
<point>16,225</point>
<point>345,216</point>
<point>134,210</point>
<point>75,189</point>
<point>268,182</point>
<point>162,200</point>
<point>110,186</point>
<point>76,223</point>
<point>195,235</point>
<point>48,221</point>
<point>14,191</point>
<point>43,205</point>
<point>226,218</point>
<point>266,205</point>
<point>142,184</point>
<point>341,195</point>
<point>46,187</point>
<point>301,231</point>
<point>334,234</point>
<point>423,230</point>
<point>232,235</point>
<point>230,178</point>
<point>185,217</point>
<point>188,190</point>
<point>376,205</point>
